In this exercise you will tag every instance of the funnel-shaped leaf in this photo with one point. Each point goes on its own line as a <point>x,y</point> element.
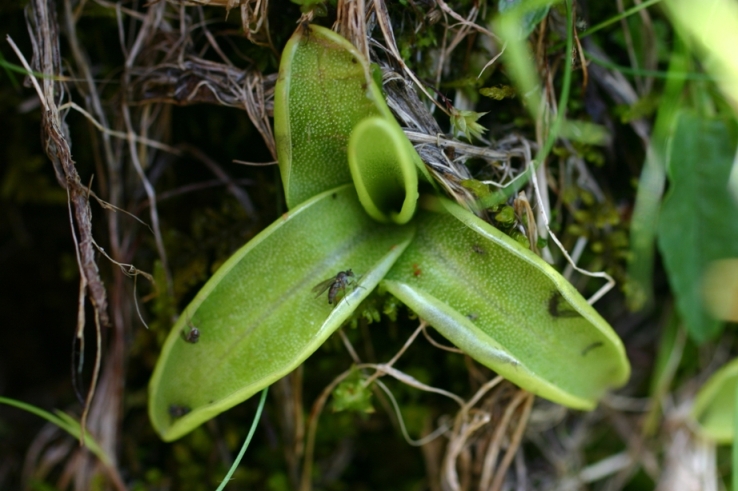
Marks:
<point>258,317</point>
<point>324,90</point>
<point>383,167</point>
<point>507,308</point>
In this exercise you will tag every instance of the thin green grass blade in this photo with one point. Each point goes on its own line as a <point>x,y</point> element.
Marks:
<point>518,59</point>
<point>245,445</point>
<point>63,421</point>
<point>651,185</point>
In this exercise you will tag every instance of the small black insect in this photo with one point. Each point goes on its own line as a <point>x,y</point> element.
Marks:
<point>193,335</point>
<point>176,411</point>
<point>591,346</point>
<point>558,307</point>
<point>334,285</point>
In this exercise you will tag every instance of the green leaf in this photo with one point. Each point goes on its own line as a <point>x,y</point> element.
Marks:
<point>383,167</point>
<point>714,405</point>
<point>258,316</point>
<point>506,308</point>
<point>325,88</point>
<point>697,223</point>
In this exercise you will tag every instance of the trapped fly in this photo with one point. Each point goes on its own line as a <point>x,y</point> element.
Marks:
<point>334,285</point>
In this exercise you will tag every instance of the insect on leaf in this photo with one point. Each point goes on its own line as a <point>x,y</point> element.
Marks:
<point>258,316</point>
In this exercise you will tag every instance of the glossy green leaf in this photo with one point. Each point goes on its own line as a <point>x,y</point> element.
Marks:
<point>325,88</point>
<point>714,405</point>
<point>258,317</point>
<point>383,167</point>
<point>506,308</point>
<point>697,223</point>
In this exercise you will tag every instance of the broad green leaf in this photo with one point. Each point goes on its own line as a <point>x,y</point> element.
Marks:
<point>325,88</point>
<point>383,167</point>
<point>698,218</point>
<point>714,405</point>
<point>506,308</point>
<point>258,316</point>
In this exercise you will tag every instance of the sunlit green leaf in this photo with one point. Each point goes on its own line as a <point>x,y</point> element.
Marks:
<point>507,308</point>
<point>258,316</point>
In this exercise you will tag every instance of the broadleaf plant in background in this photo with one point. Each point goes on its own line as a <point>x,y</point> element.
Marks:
<point>697,223</point>
<point>694,229</point>
<point>357,203</point>
<point>695,145</point>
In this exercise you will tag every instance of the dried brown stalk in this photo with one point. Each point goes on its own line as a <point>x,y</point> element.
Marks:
<point>45,38</point>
